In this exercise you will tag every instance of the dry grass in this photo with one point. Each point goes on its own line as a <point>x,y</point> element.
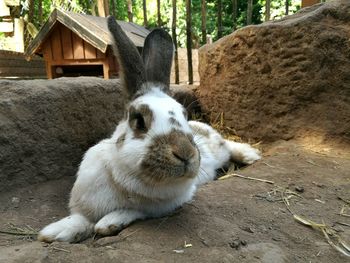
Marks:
<point>218,123</point>
<point>19,231</point>
<point>245,177</point>
<point>333,239</point>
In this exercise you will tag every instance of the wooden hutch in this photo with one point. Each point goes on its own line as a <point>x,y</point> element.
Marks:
<point>80,45</point>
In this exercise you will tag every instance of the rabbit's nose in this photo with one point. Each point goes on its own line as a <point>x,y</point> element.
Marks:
<point>184,159</point>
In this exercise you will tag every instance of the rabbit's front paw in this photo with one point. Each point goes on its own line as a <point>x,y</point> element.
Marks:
<point>69,229</point>
<point>115,221</point>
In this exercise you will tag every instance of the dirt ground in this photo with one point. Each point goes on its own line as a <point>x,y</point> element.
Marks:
<point>231,220</point>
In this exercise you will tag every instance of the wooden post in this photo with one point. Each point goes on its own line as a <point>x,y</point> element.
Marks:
<point>106,69</point>
<point>249,12</point>
<point>49,70</point>
<point>130,14</point>
<point>189,41</point>
<point>305,3</point>
<point>103,8</point>
<point>267,10</point>
<point>176,55</point>
<point>19,34</point>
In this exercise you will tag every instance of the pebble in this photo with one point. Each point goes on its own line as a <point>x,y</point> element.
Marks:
<point>299,189</point>
<point>237,243</point>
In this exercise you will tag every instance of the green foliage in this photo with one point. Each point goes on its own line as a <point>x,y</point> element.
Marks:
<point>278,8</point>
<point>121,9</point>
<point>89,7</point>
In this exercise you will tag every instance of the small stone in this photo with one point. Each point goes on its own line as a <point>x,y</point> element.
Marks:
<point>204,242</point>
<point>179,251</point>
<point>299,189</point>
<point>235,244</point>
<point>247,229</point>
<point>15,200</point>
<point>243,242</point>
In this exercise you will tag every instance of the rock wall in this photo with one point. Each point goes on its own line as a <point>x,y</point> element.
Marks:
<point>282,79</point>
<point>47,125</point>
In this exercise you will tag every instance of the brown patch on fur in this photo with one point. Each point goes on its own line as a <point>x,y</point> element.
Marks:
<point>172,156</point>
<point>200,131</point>
<point>174,122</point>
<point>45,239</point>
<point>140,120</point>
<point>121,140</point>
<point>111,230</point>
<point>237,157</point>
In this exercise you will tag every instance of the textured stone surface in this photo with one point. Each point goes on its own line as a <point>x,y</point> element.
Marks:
<point>47,125</point>
<point>283,79</point>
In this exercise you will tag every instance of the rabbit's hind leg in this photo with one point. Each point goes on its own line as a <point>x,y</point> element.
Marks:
<point>242,152</point>
<point>73,228</point>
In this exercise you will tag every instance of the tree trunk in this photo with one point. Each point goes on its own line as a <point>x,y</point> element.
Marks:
<point>249,12</point>
<point>287,7</point>
<point>114,13</point>
<point>31,11</point>
<point>145,22</point>
<point>103,8</point>
<point>106,7</point>
<point>267,10</point>
<point>219,19</point>
<point>40,13</point>
<point>189,41</point>
<point>130,15</point>
<point>173,32</point>
<point>234,14</point>
<point>204,22</point>
<point>159,19</point>
<point>93,8</point>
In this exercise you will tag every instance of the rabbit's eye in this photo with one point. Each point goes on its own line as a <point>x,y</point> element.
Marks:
<point>140,119</point>
<point>140,123</point>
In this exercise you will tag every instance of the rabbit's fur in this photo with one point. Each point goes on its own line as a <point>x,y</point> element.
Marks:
<point>155,159</point>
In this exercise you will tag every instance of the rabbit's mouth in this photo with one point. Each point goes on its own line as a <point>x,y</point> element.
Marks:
<point>166,173</point>
<point>173,156</point>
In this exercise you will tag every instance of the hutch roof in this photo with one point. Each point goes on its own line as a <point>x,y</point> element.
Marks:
<point>92,29</point>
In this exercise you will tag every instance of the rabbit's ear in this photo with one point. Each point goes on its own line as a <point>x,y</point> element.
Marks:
<point>157,57</point>
<point>132,70</point>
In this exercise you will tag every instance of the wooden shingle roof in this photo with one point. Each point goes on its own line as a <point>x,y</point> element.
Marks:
<point>92,29</point>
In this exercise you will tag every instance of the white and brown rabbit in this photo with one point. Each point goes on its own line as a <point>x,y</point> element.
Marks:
<point>155,159</point>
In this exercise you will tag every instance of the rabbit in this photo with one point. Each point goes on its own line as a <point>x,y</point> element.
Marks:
<point>154,160</point>
<point>217,152</point>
